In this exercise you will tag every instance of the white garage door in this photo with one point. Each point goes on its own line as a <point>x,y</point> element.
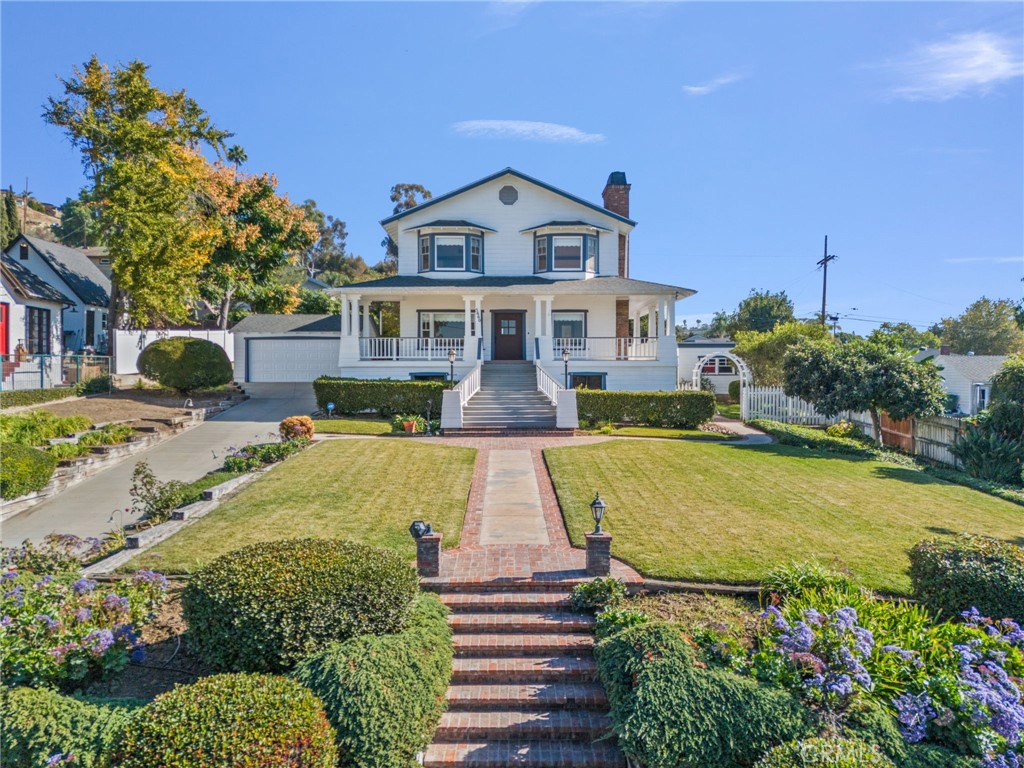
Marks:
<point>291,359</point>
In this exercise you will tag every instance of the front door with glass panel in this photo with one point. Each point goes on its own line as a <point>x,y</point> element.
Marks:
<point>508,336</point>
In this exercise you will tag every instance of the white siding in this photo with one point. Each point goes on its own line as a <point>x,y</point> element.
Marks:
<point>16,320</point>
<point>508,251</point>
<point>689,354</point>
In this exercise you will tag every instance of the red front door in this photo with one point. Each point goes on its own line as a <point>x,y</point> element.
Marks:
<point>4,329</point>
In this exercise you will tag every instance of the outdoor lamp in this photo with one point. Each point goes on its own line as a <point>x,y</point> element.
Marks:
<point>565,360</point>
<point>451,366</point>
<point>597,509</point>
<point>419,529</point>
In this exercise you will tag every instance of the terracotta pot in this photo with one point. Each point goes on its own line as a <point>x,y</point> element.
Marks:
<point>410,426</point>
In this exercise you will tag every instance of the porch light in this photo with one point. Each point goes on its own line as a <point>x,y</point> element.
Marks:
<point>419,529</point>
<point>565,361</point>
<point>451,367</point>
<point>597,509</point>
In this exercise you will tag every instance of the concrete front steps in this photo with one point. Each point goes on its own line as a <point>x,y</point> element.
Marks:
<point>508,399</point>
<point>524,689</point>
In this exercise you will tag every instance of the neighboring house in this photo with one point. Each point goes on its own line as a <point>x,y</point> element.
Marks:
<point>507,268</point>
<point>100,256</point>
<point>312,284</point>
<point>718,369</point>
<point>30,324</point>
<point>72,273</point>
<point>969,376</point>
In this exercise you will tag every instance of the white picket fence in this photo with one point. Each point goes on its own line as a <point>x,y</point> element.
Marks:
<point>772,403</point>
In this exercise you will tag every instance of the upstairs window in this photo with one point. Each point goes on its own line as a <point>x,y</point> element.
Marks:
<point>476,250</point>
<point>451,253</point>
<point>540,249</point>
<point>424,254</point>
<point>565,253</point>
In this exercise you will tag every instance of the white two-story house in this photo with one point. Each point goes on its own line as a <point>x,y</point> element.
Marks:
<point>506,269</point>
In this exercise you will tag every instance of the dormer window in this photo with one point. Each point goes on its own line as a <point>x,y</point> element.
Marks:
<point>451,252</point>
<point>565,253</point>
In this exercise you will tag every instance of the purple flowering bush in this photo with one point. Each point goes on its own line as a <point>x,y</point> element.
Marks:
<point>60,630</point>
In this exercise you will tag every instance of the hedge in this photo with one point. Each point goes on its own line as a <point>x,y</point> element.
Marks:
<point>35,396</point>
<point>680,410</point>
<point>734,391</point>
<point>669,713</point>
<point>825,753</point>
<point>384,694</point>
<point>267,606</point>
<point>40,723</point>
<point>949,577</point>
<point>185,364</point>
<point>385,396</point>
<point>229,720</point>
<point>24,470</point>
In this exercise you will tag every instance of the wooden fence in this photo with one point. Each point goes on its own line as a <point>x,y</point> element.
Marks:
<point>929,438</point>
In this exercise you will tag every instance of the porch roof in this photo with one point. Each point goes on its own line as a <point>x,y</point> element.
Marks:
<point>416,284</point>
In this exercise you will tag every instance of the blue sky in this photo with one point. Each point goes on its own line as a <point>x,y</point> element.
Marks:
<point>748,131</point>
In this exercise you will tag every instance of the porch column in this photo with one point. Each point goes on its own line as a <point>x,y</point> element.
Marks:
<point>344,314</point>
<point>365,330</point>
<point>549,322</point>
<point>353,320</point>
<point>538,331</point>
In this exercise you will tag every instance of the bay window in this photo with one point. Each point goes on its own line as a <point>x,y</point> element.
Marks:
<point>565,253</point>
<point>451,253</point>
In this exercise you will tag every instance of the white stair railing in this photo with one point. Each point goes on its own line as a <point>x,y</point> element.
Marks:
<point>470,383</point>
<point>546,384</point>
<point>454,400</point>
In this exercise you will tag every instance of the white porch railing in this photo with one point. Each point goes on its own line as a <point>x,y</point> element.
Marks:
<point>606,348</point>
<point>409,348</point>
<point>546,383</point>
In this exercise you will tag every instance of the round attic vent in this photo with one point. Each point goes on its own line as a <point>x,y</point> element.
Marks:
<point>508,194</point>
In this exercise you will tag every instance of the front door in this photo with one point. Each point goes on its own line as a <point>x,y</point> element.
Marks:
<point>508,336</point>
<point>90,327</point>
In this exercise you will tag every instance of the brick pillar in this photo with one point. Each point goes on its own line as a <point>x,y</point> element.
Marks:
<point>428,554</point>
<point>599,554</point>
<point>622,318</point>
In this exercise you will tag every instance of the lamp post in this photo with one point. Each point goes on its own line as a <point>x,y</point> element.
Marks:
<point>451,368</point>
<point>565,361</point>
<point>597,509</point>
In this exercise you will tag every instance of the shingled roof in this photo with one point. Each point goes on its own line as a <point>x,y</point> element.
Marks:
<point>28,284</point>
<point>77,271</point>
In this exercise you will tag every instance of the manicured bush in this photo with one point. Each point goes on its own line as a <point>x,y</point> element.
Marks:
<point>185,364</point>
<point>949,577</point>
<point>597,594</point>
<point>384,693</point>
<point>384,396</point>
<point>734,391</point>
<point>825,753</point>
<point>24,470</point>
<point>296,427</point>
<point>22,397</point>
<point>844,428</point>
<point>39,724</point>
<point>267,606</point>
<point>682,410</point>
<point>229,720</point>
<point>670,713</point>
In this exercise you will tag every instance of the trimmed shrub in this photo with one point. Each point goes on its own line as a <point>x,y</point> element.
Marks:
<point>296,427</point>
<point>384,694</point>
<point>386,397</point>
<point>949,577</point>
<point>734,391</point>
<point>825,753</point>
<point>267,606</point>
<point>681,410</point>
<point>230,720</point>
<point>670,713</point>
<point>24,470</point>
<point>844,428</point>
<point>185,364</point>
<point>35,396</point>
<point>39,724</point>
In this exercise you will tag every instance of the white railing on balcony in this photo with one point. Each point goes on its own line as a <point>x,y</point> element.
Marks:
<point>470,383</point>
<point>606,348</point>
<point>406,348</point>
<point>547,384</point>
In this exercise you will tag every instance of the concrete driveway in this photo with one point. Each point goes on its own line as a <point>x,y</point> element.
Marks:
<point>97,505</point>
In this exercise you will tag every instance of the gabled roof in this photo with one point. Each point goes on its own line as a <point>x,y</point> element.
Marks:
<point>513,284</point>
<point>312,284</point>
<point>83,277</point>
<point>576,223</point>
<point>978,369</point>
<point>28,284</point>
<point>297,324</point>
<point>460,223</point>
<point>498,175</point>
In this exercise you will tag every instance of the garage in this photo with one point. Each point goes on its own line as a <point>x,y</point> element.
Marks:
<point>290,359</point>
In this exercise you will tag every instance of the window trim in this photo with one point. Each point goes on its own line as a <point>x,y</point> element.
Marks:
<point>38,319</point>
<point>429,264</point>
<point>590,252</point>
<point>586,320</point>
<point>419,322</point>
<point>603,375</point>
<point>583,253</point>
<point>465,254</point>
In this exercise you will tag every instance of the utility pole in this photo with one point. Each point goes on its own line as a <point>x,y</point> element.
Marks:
<point>824,278</point>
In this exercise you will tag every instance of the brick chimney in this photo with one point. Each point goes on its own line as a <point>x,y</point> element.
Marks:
<point>945,350</point>
<point>616,199</point>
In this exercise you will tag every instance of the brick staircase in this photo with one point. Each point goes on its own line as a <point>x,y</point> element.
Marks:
<point>525,690</point>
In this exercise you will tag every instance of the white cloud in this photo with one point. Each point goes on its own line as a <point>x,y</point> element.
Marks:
<point>526,130</point>
<point>960,65</point>
<point>714,85</point>
<point>987,260</point>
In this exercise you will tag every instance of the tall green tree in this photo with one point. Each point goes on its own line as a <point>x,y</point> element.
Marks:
<point>904,336</point>
<point>986,327</point>
<point>764,351</point>
<point>761,311</point>
<point>80,224</point>
<point>327,258</point>
<point>10,222</point>
<point>863,376</point>
<point>141,150</point>
<point>404,197</point>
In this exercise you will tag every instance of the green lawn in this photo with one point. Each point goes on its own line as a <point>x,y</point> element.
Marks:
<point>670,434</point>
<point>366,490</point>
<point>729,410</point>
<point>351,425</point>
<point>717,513</point>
